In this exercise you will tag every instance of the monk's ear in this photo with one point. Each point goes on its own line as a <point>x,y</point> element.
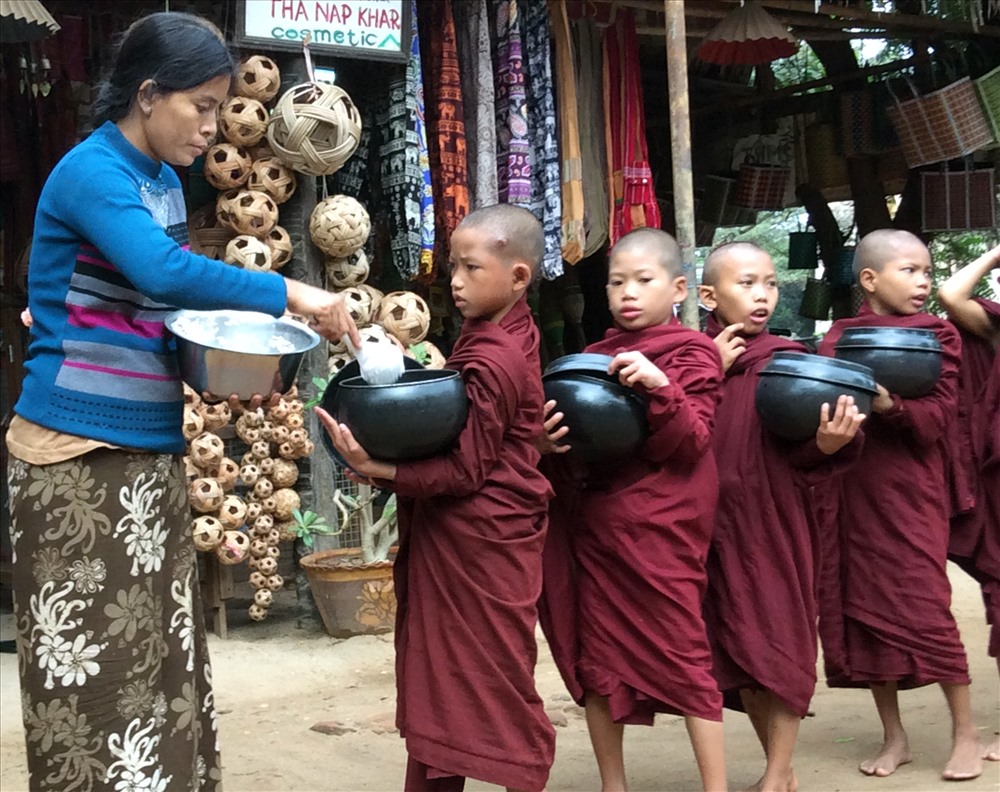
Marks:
<point>680,289</point>
<point>868,279</point>
<point>707,296</point>
<point>521,275</point>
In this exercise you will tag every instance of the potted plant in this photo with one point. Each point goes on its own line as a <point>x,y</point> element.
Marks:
<point>353,587</point>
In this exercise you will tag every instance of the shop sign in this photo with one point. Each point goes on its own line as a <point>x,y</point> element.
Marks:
<point>369,29</point>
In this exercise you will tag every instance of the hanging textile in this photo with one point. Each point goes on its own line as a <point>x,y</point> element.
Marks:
<point>353,179</point>
<point>513,149</point>
<point>446,127</point>
<point>573,233</point>
<point>472,35</point>
<point>593,149</point>
<point>546,182</point>
<point>630,179</point>
<point>405,168</point>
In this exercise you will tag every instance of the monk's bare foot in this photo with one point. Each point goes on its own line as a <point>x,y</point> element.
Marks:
<point>892,755</point>
<point>991,752</point>
<point>966,760</point>
<point>790,784</point>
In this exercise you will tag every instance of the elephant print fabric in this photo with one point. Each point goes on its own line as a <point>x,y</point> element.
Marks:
<point>116,686</point>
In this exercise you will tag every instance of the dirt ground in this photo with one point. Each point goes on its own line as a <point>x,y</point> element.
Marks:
<point>274,681</point>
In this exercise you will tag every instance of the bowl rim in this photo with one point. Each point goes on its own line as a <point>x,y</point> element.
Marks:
<point>838,363</point>
<point>847,339</point>
<point>310,335</point>
<point>358,383</point>
<point>592,363</point>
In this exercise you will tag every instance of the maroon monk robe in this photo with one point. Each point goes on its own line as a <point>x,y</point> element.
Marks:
<point>760,610</point>
<point>893,532</point>
<point>469,573</point>
<point>640,536</point>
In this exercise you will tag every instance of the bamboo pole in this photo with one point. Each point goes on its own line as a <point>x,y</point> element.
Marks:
<point>680,151</point>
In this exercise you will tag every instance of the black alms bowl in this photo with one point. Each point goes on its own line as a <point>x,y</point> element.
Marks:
<point>906,361</point>
<point>793,387</point>
<point>606,420</point>
<point>419,416</point>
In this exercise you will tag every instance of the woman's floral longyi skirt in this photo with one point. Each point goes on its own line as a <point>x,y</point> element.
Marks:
<point>116,685</point>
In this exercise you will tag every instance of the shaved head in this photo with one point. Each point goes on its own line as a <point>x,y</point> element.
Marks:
<point>724,254</point>
<point>512,232</point>
<point>652,242</point>
<point>880,246</point>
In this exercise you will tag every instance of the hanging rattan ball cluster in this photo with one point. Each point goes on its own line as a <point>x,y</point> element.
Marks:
<point>315,128</point>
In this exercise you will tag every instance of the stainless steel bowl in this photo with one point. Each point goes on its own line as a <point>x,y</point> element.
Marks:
<point>241,352</point>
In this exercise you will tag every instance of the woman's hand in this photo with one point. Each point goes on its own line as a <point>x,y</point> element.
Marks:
<point>357,459</point>
<point>883,402</point>
<point>548,441</point>
<point>834,433</point>
<point>326,311</point>
<point>634,368</point>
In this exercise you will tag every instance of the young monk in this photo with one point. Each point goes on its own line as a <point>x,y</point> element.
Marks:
<point>472,526</point>
<point>975,535</point>
<point>761,562</point>
<point>623,611</point>
<point>897,625</point>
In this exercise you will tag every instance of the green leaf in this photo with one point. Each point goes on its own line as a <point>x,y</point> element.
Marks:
<point>389,510</point>
<point>420,353</point>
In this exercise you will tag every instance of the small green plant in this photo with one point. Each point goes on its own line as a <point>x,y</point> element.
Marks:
<point>420,353</point>
<point>321,384</point>
<point>308,524</point>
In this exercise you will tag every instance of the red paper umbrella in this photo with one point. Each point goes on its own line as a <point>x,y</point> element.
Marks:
<point>747,36</point>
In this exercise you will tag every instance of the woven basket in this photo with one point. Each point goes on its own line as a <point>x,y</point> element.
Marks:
<point>315,128</point>
<point>802,250</point>
<point>841,271</point>
<point>762,186</point>
<point>816,299</point>
<point>857,123</point>
<point>826,168</point>
<point>958,200</point>
<point>988,88</point>
<point>942,125</point>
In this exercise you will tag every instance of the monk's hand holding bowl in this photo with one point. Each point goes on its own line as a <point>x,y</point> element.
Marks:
<point>362,469</point>
<point>836,432</point>
<point>548,441</point>
<point>883,402</point>
<point>634,368</point>
<point>730,345</point>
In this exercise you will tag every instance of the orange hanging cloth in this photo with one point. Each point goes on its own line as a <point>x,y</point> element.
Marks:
<point>630,178</point>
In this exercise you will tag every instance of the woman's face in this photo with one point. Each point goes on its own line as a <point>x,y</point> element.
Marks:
<point>179,126</point>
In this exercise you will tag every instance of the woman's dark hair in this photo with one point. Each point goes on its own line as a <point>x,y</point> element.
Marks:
<point>176,51</point>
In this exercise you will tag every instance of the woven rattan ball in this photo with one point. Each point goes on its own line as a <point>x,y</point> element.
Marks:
<point>294,420</point>
<point>298,437</point>
<point>247,212</point>
<point>375,294</point>
<point>263,489</point>
<point>273,552</point>
<point>193,424</point>
<point>428,354</point>
<point>268,566</point>
<point>208,237</point>
<point>206,533</point>
<point>263,597</point>
<point>285,473</point>
<point>258,580</point>
<point>207,451</point>
<point>267,466</point>
<point>358,304</point>
<point>280,435</point>
<point>263,525</point>
<point>338,360</point>
<point>227,166</point>
<point>406,316</point>
<point>315,128</point>
<point>234,548</point>
<point>274,537</point>
<point>273,177</point>
<point>215,416</point>
<point>258,77</point>
<point>257,613</point>
<point>254,510</point>
<point>258,547</point>
<point>350,271</point>
<point>339,225</point>
<point>280,243</point>
<point>206,495</point>
<point>233,512</point>
<point>262,150</point>
<point>275,582</point>
<point>227,474</point>
<point>279,412</point>
<point>242,121</point>
<point>249,253</point>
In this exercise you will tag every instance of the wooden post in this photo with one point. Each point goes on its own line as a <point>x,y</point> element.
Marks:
<point>680,151</point>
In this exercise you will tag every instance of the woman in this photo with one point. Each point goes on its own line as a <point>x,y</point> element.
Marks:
<point>115,679</point>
